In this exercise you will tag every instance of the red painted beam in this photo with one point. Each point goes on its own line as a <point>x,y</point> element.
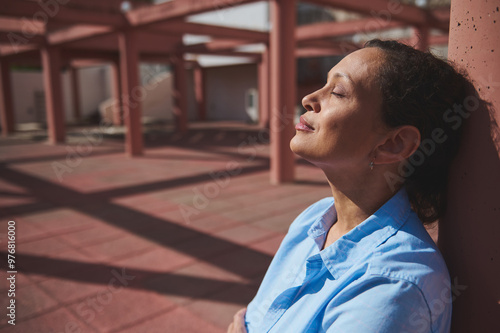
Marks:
<point>112,6</point>
<point>200,91</point>
<point>13,50</point>
<point>77,32</point>
<point>47,11</point>
<point>217,49</point>
<point>23,26</point>
<point>283,90</point>
<point>75,90</point>
<point>311,52</point>
<point>14,38</point>
<point>178,27</point>
<point>346,28</point>
<point>6,105</point>
<point>216,45</point>
<point>117,93</point>
<point>263,82</point>
<point>180,89</point>
<point>177,9</point>
<point>51,62</point>
<point>131,92</point>
<point>431,40</point>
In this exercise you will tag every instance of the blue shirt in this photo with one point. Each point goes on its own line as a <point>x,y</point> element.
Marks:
<point>385,275</point>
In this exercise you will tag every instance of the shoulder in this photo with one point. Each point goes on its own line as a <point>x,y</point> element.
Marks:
<point>411,257</point>
<point>410,253</point>
<point>389,304</point>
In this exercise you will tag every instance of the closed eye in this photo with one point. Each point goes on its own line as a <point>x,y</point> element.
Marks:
<point>337,94</point>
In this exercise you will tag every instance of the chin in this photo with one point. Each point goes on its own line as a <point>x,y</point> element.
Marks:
<point>298,146</point>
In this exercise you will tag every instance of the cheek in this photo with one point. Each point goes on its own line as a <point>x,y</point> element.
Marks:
<point>351,133</point>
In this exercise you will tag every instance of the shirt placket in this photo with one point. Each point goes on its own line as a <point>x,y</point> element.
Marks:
<point>287,298</point>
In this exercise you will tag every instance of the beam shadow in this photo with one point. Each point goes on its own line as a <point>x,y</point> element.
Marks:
<point>160,231</point>
<point>165,283</point>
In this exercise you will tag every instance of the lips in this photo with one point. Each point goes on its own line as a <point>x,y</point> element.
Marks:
<point>303,125</point>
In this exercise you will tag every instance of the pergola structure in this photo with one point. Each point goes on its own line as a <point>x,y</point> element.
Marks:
<point>72,33</point>
<point>59,33</point>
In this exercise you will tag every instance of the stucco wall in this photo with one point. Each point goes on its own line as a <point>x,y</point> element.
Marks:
<point>94,88</point>
<point>225,91</point>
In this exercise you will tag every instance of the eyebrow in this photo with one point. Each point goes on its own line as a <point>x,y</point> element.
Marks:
<point>343,75</point>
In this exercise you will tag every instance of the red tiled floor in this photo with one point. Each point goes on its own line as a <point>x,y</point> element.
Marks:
<point>111,311</point>
<point>59,320</point>
<point>168,242</point>
<point>30,301</point>
<point>177,320</point>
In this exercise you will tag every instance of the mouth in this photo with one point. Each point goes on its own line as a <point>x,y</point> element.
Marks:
<point>303,125</point>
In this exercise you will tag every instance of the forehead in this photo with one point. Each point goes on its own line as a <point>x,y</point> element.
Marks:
<point>361,65</point>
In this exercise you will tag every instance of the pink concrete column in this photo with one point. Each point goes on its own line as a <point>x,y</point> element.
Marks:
<point>180,93</point>
<point>420,38</point>
<point>75,88</point>
<point>469,233</point>
<point>199,91</point>
<point>132,92</point>
<point>283,89</point>
<point>116,91</point>
<point>263,72</point>
<point>51,63</point>
<point>6,106</point>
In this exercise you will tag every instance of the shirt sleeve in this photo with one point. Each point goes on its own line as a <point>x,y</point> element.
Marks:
<point>379,304</point>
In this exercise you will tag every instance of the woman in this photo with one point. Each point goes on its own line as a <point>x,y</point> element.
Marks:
<point>383,130</point>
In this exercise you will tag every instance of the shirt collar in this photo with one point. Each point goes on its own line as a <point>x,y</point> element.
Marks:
<point>364,238</point>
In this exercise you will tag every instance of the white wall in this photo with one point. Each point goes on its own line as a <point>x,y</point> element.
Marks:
<point>94,88</point>
<point>225,91</point>
<point>24,86</point>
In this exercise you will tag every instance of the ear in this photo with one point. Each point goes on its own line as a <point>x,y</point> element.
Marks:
<point>399,144</point>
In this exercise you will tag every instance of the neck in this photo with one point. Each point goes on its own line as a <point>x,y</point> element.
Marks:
<point>358,196</point>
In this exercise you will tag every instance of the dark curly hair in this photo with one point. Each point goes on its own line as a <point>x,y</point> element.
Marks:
<point>424,91</point>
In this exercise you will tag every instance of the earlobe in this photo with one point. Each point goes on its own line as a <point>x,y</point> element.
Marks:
<point>399,145</point>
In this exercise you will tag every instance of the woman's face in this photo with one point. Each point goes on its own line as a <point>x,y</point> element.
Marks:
<point>343,123</point>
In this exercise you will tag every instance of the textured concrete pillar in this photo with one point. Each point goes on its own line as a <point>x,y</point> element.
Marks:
<point>132,92</point>
<point>75,88</point>
<point>263,72</point>
<point>199,91</point>
<point>51,63</point>
<point>180,93</point>
<point>6,106</point>
<point>116,94</point>
<point>469,234</point>
<point>283,89</point>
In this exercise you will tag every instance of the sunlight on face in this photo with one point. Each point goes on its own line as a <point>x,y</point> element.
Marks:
<point>343,122</point>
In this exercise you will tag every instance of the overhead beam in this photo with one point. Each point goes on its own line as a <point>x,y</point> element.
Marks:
<point>96,5</point>
<point>177,27</point>
<point>23,26</point>
<point>346,28</point>
<point>255,57</point>
<point>431,40</point>
<point>177,9</point>
<point>48,11</point>
<point>216,45</point>
<point>387,10</point>
<point>13,50</point>
<point>77,32</point>
<point>15,39</point>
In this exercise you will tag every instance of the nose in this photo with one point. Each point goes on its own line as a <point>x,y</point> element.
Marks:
<point>310,102</point>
